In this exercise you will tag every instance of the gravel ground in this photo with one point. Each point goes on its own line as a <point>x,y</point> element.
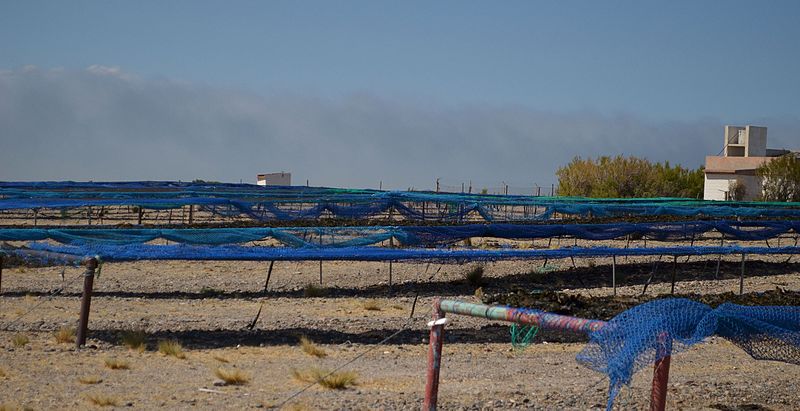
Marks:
<point>207,306</point>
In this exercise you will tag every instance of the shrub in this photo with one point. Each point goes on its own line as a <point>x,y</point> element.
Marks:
<point>171,348</point>
<point>134,339</point>
<point>620,176</point>
<point>117,364</point>
<point>310,348</point>
<point>326,379</point>
<point>736,191</point>
<point>475,276</point>
<point>20,340</point>
<point>65,335</point>
<point>232,376</point>
<point>781,178</point>
<point>102,400</point>
<point>372,305</point>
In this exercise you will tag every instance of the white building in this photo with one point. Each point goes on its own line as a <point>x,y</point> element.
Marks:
<point>274,179</point>
<point>744,150</point>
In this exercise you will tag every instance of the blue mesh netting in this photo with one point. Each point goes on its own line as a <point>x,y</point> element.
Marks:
<point>405,235</point>
<point>134,252</point>
<point>280,203</point>
<point>638,337</point>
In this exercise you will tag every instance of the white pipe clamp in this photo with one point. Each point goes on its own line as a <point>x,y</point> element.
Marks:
<point>441,321</point>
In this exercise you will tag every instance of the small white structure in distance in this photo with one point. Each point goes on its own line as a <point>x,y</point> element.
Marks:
<point>274,179</point>
<point>744,150</point>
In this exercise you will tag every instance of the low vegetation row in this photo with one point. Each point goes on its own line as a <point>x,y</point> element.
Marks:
<point>630,177</point>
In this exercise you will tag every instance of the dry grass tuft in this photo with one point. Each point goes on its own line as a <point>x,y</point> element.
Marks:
<point>102,400</point>
<point>372,305</point>
<point>171,347</point>
<point>65,335</point>
<point>134,339</point>
<point>310,348</point>
<point>334,381</point>
<point>232,376</point>
<point>475,276</point>
<point>117,364</point>
<point>20,340</point>
<point>11,407</point>
<point>221,358</point>
<point>311,290</point>
<point>90,379</point>
<point>2,373</point>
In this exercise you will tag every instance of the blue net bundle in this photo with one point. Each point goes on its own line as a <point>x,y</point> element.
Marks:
<point>134,252</point>
<point>297,203</point>
<point>408,236</point>
<point>637,338</point>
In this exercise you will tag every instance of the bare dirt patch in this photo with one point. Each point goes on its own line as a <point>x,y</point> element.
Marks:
<point>208,306</point>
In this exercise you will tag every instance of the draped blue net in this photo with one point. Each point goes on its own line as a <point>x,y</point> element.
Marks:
<point>295,203</point>
<point>638,337</point>
<point>113,252</point>
<point>410,236</point>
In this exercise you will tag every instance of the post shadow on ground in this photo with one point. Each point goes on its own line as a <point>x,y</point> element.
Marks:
<point>211,339</point>
<point>583,277</point>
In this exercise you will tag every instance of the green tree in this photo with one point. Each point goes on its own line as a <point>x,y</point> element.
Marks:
<point>620,177</point>
<point>780,178</point>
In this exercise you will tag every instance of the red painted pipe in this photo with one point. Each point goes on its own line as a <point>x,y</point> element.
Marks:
<point>658,399</point>
<point>658,395</point>
<point>434,358</point>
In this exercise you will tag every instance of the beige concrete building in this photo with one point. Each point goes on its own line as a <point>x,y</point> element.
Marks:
<point>744,150</point>
<point>274,179</point>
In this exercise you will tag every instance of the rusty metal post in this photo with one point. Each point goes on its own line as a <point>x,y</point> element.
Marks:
<point>191,210</point>
<point>86,301</point>
<point>434,357</point>
<point>614,273</point>
<point>741,276</point>
<point>269,274</point>
<point>391,245</point>
<point>658,396</point>
<point>674,273</point>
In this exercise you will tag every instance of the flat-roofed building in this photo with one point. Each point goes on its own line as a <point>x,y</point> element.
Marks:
<point>733,174</point>
<point>274,179</point>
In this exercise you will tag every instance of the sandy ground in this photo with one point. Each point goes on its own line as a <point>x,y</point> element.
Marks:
<point>207,307</point>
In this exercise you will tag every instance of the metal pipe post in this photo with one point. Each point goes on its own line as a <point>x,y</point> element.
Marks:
<point>541,319</point>
<point>1,273</point>
<point>658,395</point>
<point>434,357</point>
<point>674,273</point>
<point>269,274</point>
<point>741,276</point>
<point>391,245</point>
<point>86,301</point>
<point>614,273</point>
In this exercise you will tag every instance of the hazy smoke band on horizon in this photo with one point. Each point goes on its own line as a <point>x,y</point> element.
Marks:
<point>105,124</point>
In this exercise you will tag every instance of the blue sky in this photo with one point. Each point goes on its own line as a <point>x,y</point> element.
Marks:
<point>662,67</point>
